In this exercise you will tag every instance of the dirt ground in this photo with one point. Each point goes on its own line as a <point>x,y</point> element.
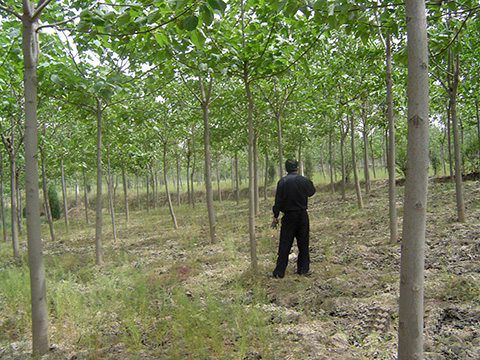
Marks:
<point>348,307</point>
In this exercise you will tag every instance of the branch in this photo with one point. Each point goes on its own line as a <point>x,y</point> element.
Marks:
<point>10,11</point>
<point>42,4</point>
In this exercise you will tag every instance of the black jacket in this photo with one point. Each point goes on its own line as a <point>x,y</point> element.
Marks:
<point>293,191</point>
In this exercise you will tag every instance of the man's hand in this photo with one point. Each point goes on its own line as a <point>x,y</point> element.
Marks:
<point>274,223</point>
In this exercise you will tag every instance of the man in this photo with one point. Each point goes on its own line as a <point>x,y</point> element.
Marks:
<point>291,198</point>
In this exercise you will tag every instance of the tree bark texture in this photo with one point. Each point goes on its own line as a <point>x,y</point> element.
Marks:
<point>205,98</point>
<point>40,341</point>
<point>411,311</point>
<point>392,197</point>
<point>98,202</point>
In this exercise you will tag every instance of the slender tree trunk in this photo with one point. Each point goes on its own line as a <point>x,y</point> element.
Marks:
<point>366,167</point>
<point>251,176</point>
<point>265,184</point>
<point>343,136</point>
<point>392,197</point>
<point>478,132</point>
<point>330,156</point>
<point>179,180</point>
<point>373,159</point>
<point>205,97</point>
<point>169,200</point>
<point>188,178</point>
<point>354,164</point>
<point>2,201</point>
<point>98,202</point>
<point>217,173</point>
<point>85,193</point>
<point>456,144</point>
<point>125,191</point>
<point>300,160</point>
<point>148,191</point>
<point>40,341</point>
<point>237,186</point>
<point>279,144</point>
<point>255,174</point>
<point>192,175</point>
<point>18,194</point>
<point>64,195</point>
<point>410,329</point>
<point>13,208</point>
<point>110,193</point>
<point>449,137</point>
<point>48,214</point>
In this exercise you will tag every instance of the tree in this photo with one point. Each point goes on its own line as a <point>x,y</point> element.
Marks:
<point>29,18</point>
<point>410,330</point>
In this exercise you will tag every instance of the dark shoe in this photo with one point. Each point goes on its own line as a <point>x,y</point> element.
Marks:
<point>274,276</point>
<point>308,273</point>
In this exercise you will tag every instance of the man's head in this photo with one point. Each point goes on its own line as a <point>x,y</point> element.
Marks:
<point>291,165</point>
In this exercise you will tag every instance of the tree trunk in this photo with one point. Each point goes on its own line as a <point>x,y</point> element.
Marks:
<point>2,201</point>
<point>366,167</point>
<point>85,193</point>
<point>373,159</point>
<point>205,98</point>
<point>456,144</point>
<point>64,194</point>
<point>478,131</point>
<point>410,329</point>
<point>169,200</point>
<point>179,180</point>
<point>125,191</point>
<point>98,202</point>
<point>237,186</point>
<point>265,184</point>
<point>110,193</point>
<point>343,136</point>
<point>354,164</point>
<point>330,157</point>
<point>148,191</point>
<point>13,207</point>
<point>194,164</point>
<point>279,143</point>
<point>449,137</point>
<point>40,341</point>
<point>251,175</point>
<point>392,201</point>
<point>217,173</point>
<point>48,214</point>
<point>255,175</point>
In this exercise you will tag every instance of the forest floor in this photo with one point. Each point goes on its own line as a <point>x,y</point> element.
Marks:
<point>170,294</point>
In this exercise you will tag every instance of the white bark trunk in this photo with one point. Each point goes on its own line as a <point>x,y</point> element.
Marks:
<point>392,197</point>
<point>411,311</point>
<point>40,341</point>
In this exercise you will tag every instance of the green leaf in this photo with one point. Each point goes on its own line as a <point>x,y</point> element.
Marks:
<point>161,39</point>
<point>123,19</point>
<point>190,23</point>
<point>218,5</point>
<point>207,15</point>
<point>57,80</point>
<point>452,5</point>
<point>83,26</point>
<point>198,39</point>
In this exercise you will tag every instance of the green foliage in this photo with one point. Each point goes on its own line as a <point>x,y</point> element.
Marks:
<point>308,165</point>
<point>272,172</point>
<point>53,201</point>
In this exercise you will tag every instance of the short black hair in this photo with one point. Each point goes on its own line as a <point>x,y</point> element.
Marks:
<point>291,165</point>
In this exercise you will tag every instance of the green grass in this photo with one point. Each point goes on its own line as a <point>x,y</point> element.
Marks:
<point>171,294</point>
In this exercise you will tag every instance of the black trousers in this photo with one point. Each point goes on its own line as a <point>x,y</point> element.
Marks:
<point>295,224</point>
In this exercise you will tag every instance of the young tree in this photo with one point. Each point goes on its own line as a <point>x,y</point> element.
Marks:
<point>410,330</point>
